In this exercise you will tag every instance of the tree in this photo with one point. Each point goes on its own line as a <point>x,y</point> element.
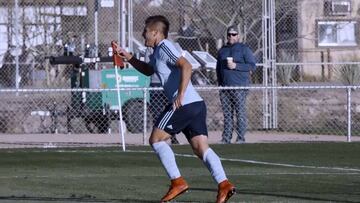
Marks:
<point>212,17</point>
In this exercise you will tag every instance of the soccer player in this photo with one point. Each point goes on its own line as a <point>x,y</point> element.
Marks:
<point>186,112</point>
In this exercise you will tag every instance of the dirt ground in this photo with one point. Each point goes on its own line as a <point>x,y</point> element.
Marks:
<point>94,140</point>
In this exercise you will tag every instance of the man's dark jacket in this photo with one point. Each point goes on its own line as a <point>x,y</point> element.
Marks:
<point>245,63</point>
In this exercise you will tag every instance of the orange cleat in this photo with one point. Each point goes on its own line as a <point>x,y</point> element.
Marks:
<point>177,187</point>
<point>225,191</point>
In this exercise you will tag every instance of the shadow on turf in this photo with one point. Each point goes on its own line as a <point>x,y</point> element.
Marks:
<point>202,189</point>
<point>94,199</point>
<point>72,199</point>
<point>68,199</point>
<point>245,192</point>
<point>291,196</point>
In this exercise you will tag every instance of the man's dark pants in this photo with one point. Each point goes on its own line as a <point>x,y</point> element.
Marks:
<point>234,101</point>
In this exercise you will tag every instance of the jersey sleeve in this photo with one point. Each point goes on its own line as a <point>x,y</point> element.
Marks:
<point>169,52</point>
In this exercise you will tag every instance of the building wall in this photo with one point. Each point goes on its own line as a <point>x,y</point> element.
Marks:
<point>310,11</point>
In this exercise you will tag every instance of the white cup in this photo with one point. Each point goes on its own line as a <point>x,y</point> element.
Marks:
<point>229,59</point>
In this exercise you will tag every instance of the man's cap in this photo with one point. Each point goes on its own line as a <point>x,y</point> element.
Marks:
<point>232,29</point>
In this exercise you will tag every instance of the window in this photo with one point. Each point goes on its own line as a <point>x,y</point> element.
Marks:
<point>337,33</point>
<point>337,7</point>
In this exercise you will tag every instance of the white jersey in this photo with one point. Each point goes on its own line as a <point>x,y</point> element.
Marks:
<point>163,61</point>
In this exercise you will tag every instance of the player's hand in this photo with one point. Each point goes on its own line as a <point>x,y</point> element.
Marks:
<point>231,64</point>
<point>122,52</point>
<point>178,101</point>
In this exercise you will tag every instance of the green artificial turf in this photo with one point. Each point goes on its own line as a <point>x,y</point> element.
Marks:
<point>278,172</point>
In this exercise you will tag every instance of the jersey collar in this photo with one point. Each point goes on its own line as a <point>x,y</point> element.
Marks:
<point>162,41</point>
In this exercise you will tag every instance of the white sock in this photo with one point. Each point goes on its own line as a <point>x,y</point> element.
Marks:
<point>213,163</point>
<point>167,158</point>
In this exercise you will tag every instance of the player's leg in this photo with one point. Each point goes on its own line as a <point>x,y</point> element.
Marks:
<point>165,154</point>
<point>196,133</point>
<point>209,157</point>
<point>212,162</point>
<point>167,158</point>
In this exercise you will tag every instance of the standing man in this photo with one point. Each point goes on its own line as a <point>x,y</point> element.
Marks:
<point>186,112</point>
<point>235,62</point>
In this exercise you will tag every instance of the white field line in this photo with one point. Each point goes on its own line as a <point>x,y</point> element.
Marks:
<point>268,163</point>
<point>193,156</point>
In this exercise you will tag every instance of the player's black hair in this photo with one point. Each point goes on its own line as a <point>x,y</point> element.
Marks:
<point>161,22</point>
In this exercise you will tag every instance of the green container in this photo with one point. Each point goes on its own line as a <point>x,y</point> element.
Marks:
<point>129,77</point>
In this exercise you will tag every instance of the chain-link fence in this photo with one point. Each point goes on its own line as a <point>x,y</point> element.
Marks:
<point>33,31</point>
<point>277,31</point>
<point>306,111</point>
<point>297,44</point>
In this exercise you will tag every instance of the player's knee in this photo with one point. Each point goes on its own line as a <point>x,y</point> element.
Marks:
<point>200,149</point>
<point>153,140</point>
<point>158,136</point>
<point>198,154</point>
<point>199,145</point>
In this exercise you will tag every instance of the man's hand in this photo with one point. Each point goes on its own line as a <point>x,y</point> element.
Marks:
<point>178,101</point>
<point>231,64</point>
<point>122,52</point>
<point>141,66</point>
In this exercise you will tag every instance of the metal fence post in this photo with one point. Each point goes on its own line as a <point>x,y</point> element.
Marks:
<point>272,55</point>
<point>269,72</point>
<point>17,44</point>
<point>349,114</point>
<point>265,19</point>
<point>145,116</point>
<point>123,25</point>
<point>96,30</point>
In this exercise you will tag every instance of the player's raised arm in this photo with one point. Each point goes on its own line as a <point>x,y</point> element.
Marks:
<point>141,66</point>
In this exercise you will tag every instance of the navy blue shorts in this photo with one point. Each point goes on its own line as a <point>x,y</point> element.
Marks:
<point>189,119</point>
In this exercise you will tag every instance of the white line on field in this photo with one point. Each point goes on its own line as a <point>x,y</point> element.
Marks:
<point>267,163</point>
<point>193,156</point>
